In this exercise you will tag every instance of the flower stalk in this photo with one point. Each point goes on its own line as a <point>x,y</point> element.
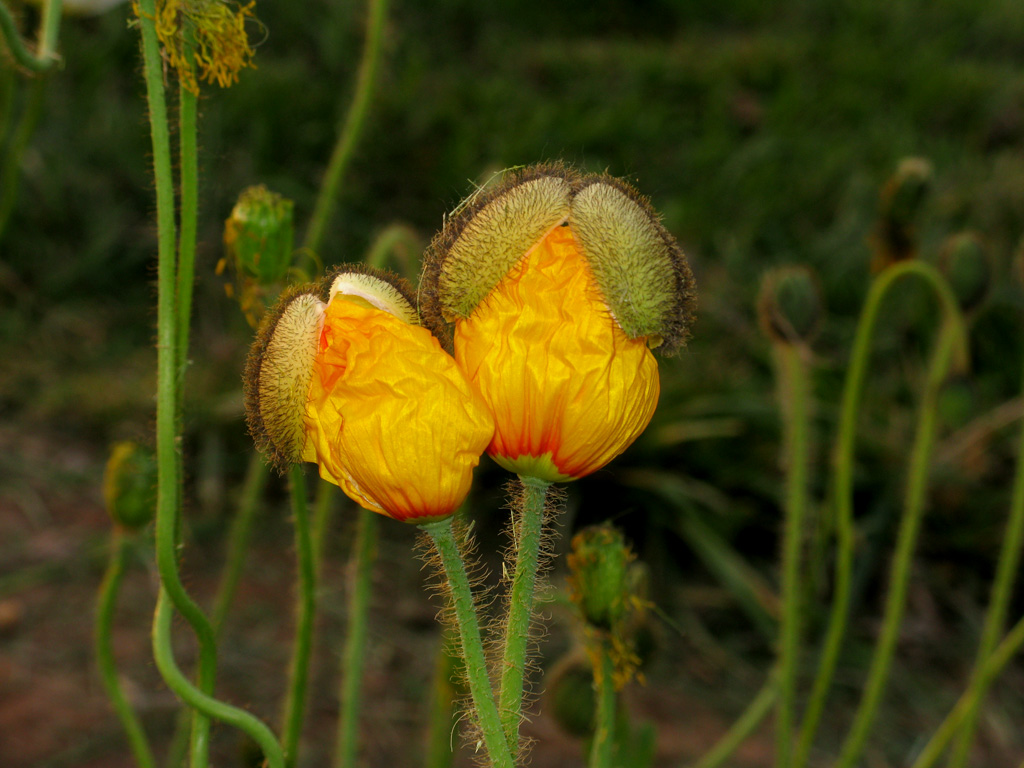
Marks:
<point>493,734</point>
<point>528,525</point>
<point>120,548</point>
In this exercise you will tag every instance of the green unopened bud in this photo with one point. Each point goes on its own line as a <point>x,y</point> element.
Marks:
<point>599,576</point>
<point>259,236</point>
<point>964,261</point>
<point>278,374</point>
<point>900,202</point>
<point>790,305</point>
<point>129,485</point>
<point>641,273</point>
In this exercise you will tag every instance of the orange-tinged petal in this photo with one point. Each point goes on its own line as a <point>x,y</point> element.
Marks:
<point>568,390</point>
<point>390,418</point>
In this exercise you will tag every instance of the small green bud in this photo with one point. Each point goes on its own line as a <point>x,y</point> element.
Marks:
<point>900,202</point>
<point>599,576</point>
<point>790,305</point>
<point>965,263</point>
<point>259,236</point>
<point>129,485</point>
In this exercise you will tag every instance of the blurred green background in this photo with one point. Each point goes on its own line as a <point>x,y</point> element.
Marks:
<point>762,131</point>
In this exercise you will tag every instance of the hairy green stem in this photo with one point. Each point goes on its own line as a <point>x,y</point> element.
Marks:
<point>853,389</point>
<point>298,675</point>
<point>443,538</point>
<point>745,724</point>
<point>794,396</point>
<point>167,409</point>
<point>351,128</point>
<point>163,653</point>
<point>999,601</point>
<point>603,745</point>
<point>920,464</point>
<point>527,526</point>
<point>989,671</point>
<point>120,546</point>
<point>360,581</point>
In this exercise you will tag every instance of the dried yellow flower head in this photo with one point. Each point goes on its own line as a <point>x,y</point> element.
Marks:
<point>204,35</point>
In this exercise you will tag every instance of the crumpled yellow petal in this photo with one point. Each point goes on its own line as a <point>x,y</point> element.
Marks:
<point>390,418</point>
<point>568,390</point>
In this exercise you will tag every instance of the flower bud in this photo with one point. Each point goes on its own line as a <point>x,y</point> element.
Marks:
<point>790,305</point>
<point>558,285</point>
<point>259,236</point>
<point>357,386</point>
<point>129,485</point>
<point>599,576</point>
<point>895,236</point>
<point>965,263</point>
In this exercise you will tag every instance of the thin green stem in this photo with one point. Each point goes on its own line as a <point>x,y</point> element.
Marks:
<point>745,724</point>
<point>990,670</point>
<point>364,555</point>
<point>120,546</point>
<point>234,561</point>
<point>352,126</point>
<point>527,525</point>
<point>443,538</point>
<point>238,539</point>
<point>163,653</point>
<point>188,165</point>
<point>920,464</point>
<point>439,752</point>
<point>23,131</point>
<point>49,29</point>
<point>399,240</point>
<point>603,745</point>
<point>168,463</point>
<point>853,389</point>
<point>999,601</point>
<point>326,494</point>
<point>794,396</point>
<point>298,676</point>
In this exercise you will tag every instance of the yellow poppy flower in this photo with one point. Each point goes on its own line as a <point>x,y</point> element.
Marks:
<point>389,417</point>
<point>558,285</point>
<point>568,389</point>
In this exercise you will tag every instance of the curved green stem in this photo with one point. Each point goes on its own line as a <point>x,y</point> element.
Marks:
<point>364,555</point>
<point>443,538</point>
<point>163,653</point>
<point>298,676</point>
<point>991,668</point>
<point>745,724</point>
<point>119,549</point>
<point>45,57</point>
<point>439,753</point>
<point>794,396</point>
<point>995,617</point>
<point>528,524</point>
<point>603,745</point>
<point>843,479</point>
<point>167,422</point>
<point>920,462</point>
<point>352,127</point>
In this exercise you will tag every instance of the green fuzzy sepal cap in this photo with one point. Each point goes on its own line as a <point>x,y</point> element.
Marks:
<point>640,270</point>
